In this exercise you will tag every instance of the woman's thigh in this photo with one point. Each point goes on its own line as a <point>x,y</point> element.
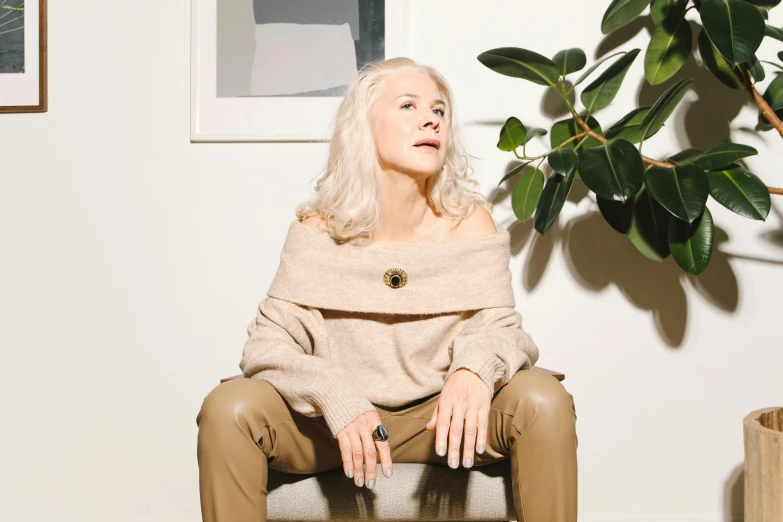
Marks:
<point>512,407</point>
<point>292,442</point>
<point>411,442</point>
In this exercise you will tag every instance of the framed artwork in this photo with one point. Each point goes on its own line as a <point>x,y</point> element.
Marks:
<point>276,70</point>
<point>23,56</point>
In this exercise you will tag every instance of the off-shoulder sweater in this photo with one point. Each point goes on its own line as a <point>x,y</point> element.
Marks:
<point>338,333</point>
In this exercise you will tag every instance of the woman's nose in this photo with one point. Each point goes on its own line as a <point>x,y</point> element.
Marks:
<point>430,121</point>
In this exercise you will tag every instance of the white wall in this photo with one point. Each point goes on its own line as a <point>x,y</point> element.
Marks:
<point>132,262</point>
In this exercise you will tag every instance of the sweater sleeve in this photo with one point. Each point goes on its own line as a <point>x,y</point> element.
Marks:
<point>279,350</point>
<point>494,346</point>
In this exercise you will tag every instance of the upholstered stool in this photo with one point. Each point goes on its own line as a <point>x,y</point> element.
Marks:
<point>420,492</point>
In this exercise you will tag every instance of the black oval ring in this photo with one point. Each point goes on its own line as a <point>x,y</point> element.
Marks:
<point>380,433</point>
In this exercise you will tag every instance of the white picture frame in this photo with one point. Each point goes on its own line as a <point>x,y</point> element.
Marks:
<point>272,118</point>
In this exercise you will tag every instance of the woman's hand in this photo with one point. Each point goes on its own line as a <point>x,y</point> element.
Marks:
<point>463,405</point>
<point>357,448</point>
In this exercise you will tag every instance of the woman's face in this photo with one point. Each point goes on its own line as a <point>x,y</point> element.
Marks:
<point>410,125</point>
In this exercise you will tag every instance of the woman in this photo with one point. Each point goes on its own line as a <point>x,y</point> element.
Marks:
<point>392,305</point>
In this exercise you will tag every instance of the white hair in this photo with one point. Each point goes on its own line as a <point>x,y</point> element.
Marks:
<point>346,192</point>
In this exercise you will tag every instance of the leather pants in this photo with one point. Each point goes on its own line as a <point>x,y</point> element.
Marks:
<point>245,427</point>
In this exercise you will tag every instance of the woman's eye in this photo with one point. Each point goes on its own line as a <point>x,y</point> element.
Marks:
<point>441,111</point>
<point>405,106</point>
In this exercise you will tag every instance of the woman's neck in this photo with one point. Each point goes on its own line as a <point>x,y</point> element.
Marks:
<point>405,211</point>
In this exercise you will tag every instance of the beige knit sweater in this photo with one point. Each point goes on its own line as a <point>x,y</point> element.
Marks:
<point>334,338</point>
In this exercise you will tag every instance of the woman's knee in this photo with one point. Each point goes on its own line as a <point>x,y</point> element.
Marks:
<point>537,395</point>
<point>232,402</point>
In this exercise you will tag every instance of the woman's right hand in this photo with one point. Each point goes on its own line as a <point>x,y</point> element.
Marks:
<point>357,448</point>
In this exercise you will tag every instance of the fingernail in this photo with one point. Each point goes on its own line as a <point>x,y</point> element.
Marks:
<point>441,451</point>
<point>388,472</point>
<point>360,482</point>
<point>350,473</point>
<point>454,463</point>
<point>468,463</point>
<point>371,484</point>
<point>481,449</point>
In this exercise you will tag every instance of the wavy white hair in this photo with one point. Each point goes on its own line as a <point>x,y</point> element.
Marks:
<point>346,192</point>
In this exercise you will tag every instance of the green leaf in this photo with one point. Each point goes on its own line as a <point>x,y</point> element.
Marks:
<point>563,161</point>
<point>764,3</point>
<point>552,199</point>
<point>685,156</point>
<point>773,32</point>
<point>532,133</point>
<point>613,170</point>
<point>740,191</point>
<point>563,130</point>
<point>602,91</point>
<point>682,190</point>
<point>595,66</point>
<point>628,126</point>
<point>662,9</point>
<point>521,63</point>
<point>722,154</point>
<point>512,135</point>
<point>669,47</point>
<point>663,108</point>
<point>773,64</point>
<point>780,56</point>
<point>570,61</point>
<point>649,227</point>
<point>618,214</point>
<point>525,195</point>
<point>514,171</point>
<point>756,69</point>
<point>734,26</point>
<point>715,62</point>
<point>774,97</point>
<point>691,244</point>
<point>620,13</point>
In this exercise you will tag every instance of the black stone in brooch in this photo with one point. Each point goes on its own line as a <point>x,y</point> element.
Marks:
<point>395,278</point>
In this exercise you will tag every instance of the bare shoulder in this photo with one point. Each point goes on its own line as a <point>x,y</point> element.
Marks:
<point>315,222</point>
<point>479,223</point>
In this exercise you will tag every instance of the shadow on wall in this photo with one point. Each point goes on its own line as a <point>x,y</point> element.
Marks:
<point>734,495</point>
<point>597,256</point>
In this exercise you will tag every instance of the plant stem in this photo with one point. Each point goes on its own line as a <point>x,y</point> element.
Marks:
<point>778,191</point>
<point>572,138</point>
<point>602,139</point>
<point>581,142</point>
<point>544,155</point>
<point>766,110</point>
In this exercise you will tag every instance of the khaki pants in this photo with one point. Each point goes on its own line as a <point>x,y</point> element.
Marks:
<point>245,427</point>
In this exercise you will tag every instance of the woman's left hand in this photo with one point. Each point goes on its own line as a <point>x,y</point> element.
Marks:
<point>463,405</point>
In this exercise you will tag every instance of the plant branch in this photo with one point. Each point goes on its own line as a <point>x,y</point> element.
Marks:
<point>602,139</point>
<point>741,73</point>
<point>766,110</point>
<point>572,138</point>
<point>544,155</point>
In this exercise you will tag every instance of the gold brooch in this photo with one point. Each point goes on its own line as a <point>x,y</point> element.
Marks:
<point>395,278</point>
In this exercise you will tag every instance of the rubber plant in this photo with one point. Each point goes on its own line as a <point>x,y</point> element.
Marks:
<point>660,204</point>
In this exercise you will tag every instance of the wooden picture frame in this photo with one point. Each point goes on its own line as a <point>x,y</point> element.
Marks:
<point>27,91</point>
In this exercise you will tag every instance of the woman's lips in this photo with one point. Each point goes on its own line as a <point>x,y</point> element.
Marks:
<point>429,143</point>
